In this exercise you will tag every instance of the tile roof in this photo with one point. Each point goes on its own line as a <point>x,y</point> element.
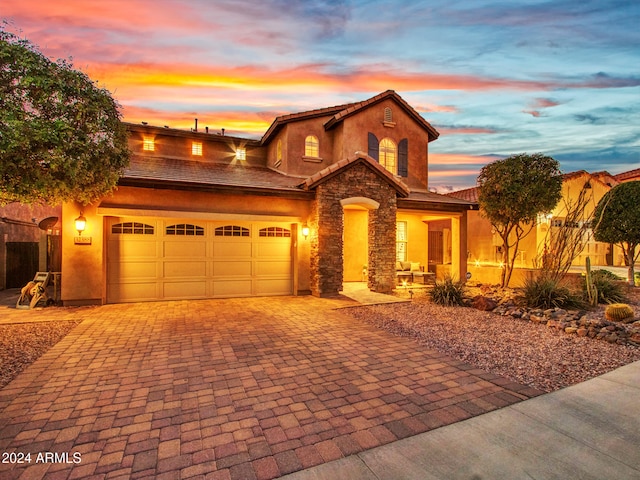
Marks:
<point>174,170</point>
<point>468,194</point>
<point>631,174</point>
<point>339,112</point>
<point>359,157</point>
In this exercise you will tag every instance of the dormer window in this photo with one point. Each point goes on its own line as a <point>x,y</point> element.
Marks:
<point>387,154</point>
<point>311,147</point>
<point>148,144</point>
<point>196,148</point>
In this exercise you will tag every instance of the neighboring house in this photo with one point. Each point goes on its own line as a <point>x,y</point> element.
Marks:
<point>29,242</point>
<point>326,196</point>
<point>484,245</point>
<point>630,176</point>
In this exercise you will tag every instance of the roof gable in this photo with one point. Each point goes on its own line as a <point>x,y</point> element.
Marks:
<point>359,158</point>
<point>338,113</point>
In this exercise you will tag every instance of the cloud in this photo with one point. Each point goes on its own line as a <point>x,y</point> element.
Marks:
<point>464,130</point>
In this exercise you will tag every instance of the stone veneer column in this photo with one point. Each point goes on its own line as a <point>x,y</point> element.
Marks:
<point>326,222</point>
<point>382,247</point>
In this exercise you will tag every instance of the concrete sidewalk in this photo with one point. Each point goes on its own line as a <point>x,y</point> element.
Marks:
<point>587,431</point>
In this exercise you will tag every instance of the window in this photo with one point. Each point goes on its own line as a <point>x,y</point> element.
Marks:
<point>311,148</point>
<point>387,154</point>
<point>274,232</point>
<point>401,241</point>
<point>278,154</point>
<point>231,231</point>
<point>185,229</point>
<point>241,153</point>
<point>148,144</point>
<point>132,228</point>
<point>196,148</point>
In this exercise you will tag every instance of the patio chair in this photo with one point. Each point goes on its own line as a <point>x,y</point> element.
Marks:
<point>34,292</point>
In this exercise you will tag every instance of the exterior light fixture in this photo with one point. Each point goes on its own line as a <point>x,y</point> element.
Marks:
<point>305,231</point>
<point>81,224</point>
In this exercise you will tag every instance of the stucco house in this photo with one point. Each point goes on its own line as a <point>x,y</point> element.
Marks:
<point>484,244</point>
<point>326,196</point>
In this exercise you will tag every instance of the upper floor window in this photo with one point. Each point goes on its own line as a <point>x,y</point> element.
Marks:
<point>387,154</point>
<point>196,148</point>
<point>278,154</point>
<point>311,146</point>
<point>148,144</point>
<point>241,153</point>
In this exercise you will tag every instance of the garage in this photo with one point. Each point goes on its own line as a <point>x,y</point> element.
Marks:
<point>151,259</point>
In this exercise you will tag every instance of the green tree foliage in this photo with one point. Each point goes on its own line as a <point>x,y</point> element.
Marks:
<point>617,220</point>
<point>61,137</point>
<point>511,193</point>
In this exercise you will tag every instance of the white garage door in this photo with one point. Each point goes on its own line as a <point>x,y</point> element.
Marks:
<point>163,259</point>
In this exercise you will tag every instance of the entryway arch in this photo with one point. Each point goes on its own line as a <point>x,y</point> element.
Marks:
<point>355,238</point>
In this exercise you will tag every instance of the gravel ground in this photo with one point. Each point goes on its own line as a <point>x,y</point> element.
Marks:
<point>22,344</point>
<point>529,353</point>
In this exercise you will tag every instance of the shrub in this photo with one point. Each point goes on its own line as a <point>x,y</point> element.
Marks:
<point>609,290</point>
<point>447,292</point>
<point>545,292</point>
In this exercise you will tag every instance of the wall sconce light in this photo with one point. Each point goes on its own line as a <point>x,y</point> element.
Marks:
<point>81,224</point>
<point>305,231</point>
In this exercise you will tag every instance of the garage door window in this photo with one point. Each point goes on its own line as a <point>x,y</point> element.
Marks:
<point>132,228</point>
<point>274,232</point>
<point>185,229</point>
<point>232,231</point>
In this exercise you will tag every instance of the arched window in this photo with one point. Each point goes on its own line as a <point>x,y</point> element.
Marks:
<point>387,154</point>
<point>311,148</point>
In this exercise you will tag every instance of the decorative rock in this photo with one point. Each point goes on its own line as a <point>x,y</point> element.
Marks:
<point>581,332</point>
<point>484,303</point>
<point>571,329</point>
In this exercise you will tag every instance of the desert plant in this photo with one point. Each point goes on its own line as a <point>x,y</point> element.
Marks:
<point>607,289</point>
<point>447,292</point>
<point>617,312</point>
<point>546,292</point>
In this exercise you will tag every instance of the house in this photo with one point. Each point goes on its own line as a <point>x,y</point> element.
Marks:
<point>630,176</point>
<point>29,242</point>
<point>326,196</point>
<point>484,244</point>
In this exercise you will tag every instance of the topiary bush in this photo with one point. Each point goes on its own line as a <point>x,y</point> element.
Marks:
<point>447,292</point>
<point>607,285</point>
<point>545,292</point>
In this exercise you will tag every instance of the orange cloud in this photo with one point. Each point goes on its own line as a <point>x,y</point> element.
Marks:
<point>459,159</point>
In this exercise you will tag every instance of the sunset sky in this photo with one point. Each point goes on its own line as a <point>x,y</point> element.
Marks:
<point>495,78</point>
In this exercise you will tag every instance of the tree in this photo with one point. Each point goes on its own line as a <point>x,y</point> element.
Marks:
<point>511,193</point>
<point>61,137</point>
<point>617,220</point>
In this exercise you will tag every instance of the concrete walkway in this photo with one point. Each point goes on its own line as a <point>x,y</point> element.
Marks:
<point>587,431</point>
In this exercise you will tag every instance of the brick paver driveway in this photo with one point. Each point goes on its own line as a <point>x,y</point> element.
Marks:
<point>228,389</point>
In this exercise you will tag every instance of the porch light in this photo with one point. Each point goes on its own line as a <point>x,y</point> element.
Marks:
<point>305,231</point>
<point>81,224</point>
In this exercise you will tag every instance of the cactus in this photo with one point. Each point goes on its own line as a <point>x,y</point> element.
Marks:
<point>617,312</point>
<point>592,291</point>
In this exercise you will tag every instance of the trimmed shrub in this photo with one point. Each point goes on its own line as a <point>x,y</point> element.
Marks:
<point>447,292</point>
<point>545,292</point>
